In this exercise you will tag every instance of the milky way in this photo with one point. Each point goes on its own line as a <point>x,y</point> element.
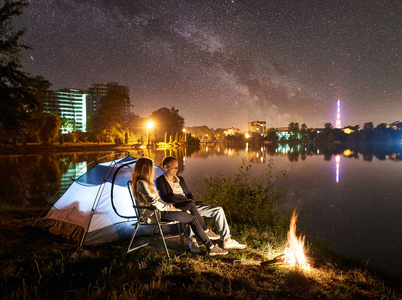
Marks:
<point>224,63</point>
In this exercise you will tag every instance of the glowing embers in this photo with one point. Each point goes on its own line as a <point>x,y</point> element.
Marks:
<point>294,251</point>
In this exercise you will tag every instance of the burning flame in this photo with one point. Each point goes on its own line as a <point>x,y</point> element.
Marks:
<point>294,251</point>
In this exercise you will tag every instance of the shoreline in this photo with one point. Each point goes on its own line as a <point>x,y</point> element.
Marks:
<point>37,148</point>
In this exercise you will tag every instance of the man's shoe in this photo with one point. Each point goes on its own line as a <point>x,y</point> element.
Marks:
<point>232,244</point>
<point>194,247</point>
<point>212,235</point>
<point>217,251</point>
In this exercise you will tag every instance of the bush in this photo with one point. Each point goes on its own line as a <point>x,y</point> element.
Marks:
<point>49,131</point>
<point>70,138</point>
<point>246,198</point>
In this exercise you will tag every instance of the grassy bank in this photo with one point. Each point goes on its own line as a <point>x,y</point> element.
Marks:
<point>36,265</point>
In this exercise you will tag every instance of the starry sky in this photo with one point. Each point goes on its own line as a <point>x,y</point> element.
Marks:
<point>224,63</point>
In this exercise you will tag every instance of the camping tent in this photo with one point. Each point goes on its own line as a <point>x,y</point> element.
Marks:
<point>97,208</point>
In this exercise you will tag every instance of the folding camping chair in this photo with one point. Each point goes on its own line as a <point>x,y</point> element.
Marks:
<point>157,223</point>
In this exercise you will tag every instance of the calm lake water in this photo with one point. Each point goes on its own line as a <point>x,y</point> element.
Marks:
<point>348,195</point>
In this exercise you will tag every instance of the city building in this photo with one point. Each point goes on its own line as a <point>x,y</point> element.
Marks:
<point>70,105</point>
<point>397,125</point>
<point>98,90</point>
<point>257,127</point>
<point>74,106</point>
<point>283,133</point>
<point>231,131</point>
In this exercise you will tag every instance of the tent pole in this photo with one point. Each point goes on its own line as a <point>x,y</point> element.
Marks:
<point>92,211</point>
<point>96,200</point>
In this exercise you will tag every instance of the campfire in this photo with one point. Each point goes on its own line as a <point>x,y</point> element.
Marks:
<point>294,251</point>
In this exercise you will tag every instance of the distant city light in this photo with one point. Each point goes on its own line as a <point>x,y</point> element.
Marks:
<point>347,152</point>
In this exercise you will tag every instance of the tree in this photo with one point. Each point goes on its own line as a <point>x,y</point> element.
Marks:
<point>303,132</point>
<point>271,135</point>
<point>111,108</point>
<point>109,116</point>
<point>167,120</point>
<point>50,129</point>
<point>294,130</point>
<point>368,126</point>
<point>20,93</point>
<point>368,131</point>
<point>381,127</point>
<point>327,129</point>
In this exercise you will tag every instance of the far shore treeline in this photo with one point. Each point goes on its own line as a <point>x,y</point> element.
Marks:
<point>23,121</point>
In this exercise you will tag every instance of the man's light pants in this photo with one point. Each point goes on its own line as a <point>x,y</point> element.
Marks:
<point>218,214</point>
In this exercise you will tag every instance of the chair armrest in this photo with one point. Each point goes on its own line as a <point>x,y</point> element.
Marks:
<point>145,207</point>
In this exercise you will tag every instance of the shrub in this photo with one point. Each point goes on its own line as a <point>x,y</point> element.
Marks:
<point>49,131</point>
<point>246,197</point>
<point>70,138</point>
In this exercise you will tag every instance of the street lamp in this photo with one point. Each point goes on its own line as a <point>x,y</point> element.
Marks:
<point>149,125</point>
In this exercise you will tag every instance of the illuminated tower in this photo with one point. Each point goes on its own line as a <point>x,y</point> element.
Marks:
<point>338,115</point>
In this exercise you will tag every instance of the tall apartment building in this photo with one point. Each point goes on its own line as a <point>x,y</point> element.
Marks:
<point>70,104</point>
<point>98,90</point>
<point>75,105</point>
<point>257,127</point>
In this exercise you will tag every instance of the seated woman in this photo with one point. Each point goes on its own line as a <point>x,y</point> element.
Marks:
<point>144,191</point>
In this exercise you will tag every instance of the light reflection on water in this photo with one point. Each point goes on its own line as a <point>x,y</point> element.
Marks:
<point>354,204</point>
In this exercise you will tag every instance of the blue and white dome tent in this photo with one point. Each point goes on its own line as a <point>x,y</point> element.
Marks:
<point>97,207</point>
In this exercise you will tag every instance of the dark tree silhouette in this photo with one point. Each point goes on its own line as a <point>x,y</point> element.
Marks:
<point>167,120</point>
<point>20,93</point>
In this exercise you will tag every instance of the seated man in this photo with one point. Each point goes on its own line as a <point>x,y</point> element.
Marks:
<point>173,189</point>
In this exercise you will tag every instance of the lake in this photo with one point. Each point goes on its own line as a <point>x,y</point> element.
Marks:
<point>348,195</point>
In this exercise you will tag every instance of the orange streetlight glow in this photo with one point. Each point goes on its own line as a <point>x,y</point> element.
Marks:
<point>149,125</point>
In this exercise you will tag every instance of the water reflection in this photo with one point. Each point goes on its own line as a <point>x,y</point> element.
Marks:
<point>32,180</point>
<point>337,161</point>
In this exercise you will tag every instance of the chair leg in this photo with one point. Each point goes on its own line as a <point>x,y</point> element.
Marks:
<point>157,227</point>
<point>163,239</point>
<point>132,239</point>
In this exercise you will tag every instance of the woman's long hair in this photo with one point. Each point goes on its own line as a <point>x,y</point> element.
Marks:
<point>143,170</point>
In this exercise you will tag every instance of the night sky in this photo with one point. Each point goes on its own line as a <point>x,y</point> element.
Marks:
<point>224,63</point>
